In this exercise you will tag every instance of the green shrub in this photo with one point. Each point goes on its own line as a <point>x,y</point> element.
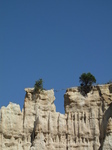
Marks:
<point>86,80</point>
<point>38,85</point>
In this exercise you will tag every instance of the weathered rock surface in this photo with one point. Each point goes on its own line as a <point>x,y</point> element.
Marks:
<point>86,125</point>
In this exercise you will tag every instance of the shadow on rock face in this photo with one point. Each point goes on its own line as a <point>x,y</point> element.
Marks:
<point>84,89</point>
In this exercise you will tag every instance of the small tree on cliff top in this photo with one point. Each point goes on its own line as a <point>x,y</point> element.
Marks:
<point>38,85</point>
<point>87,79</point>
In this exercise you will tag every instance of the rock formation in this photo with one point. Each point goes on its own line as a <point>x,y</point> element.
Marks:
<point>86,124</point>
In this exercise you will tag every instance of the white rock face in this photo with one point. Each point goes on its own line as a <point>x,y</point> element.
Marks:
<point>86,125</point>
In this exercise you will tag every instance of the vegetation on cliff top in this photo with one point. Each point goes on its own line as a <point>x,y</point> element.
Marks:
<point>86,80</point>
<point>38,86</point>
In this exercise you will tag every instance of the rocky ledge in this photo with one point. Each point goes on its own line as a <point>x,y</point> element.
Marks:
<point>86,124</point>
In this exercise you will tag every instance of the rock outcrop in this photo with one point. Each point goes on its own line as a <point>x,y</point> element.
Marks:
<point>86,124</point>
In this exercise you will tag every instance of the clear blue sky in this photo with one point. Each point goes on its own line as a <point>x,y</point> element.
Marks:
<point>53,40</point>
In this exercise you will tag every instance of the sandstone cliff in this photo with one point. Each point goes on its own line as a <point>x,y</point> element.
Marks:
<point>86,125</point>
